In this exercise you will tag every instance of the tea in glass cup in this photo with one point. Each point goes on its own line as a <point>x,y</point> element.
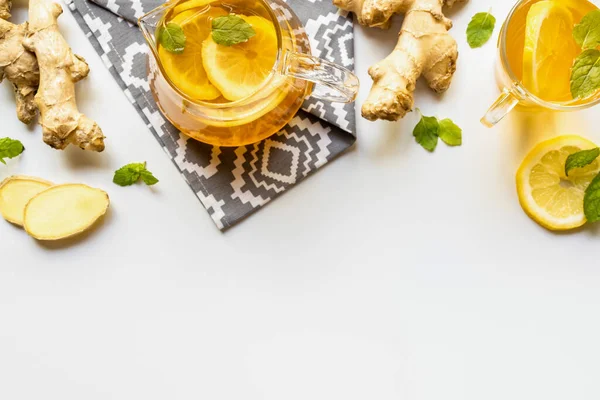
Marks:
<point>537,53</point>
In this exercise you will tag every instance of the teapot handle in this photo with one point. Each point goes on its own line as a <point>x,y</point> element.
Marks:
<point>334,83</point>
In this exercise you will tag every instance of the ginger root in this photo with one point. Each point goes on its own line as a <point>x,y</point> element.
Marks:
<point>5,6</point>
<point>19,66</point>
<point>425,48</point>
<point>60,69</point>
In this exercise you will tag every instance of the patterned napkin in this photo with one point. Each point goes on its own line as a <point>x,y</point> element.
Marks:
<point>230,182</point>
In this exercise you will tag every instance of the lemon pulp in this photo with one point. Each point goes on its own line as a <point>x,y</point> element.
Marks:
<point>549,51</point>
<point>186,70</point>
<point>238,71</point>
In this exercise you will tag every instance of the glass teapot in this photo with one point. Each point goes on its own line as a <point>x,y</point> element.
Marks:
<point>295,75</point>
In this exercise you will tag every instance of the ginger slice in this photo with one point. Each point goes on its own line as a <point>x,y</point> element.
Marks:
<point>63,211</point>
<point>5,6</point>
<point>15,192</point>
<point>19,66</point>
<point>425,48</point>
<point>61,121</point>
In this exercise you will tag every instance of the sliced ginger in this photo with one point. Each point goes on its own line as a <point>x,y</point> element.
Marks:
<point>63,211</point>
<point>15,193</point>
<point>48,211</point>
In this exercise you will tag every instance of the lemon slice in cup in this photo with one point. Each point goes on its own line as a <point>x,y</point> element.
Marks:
<point>186,70</point>
<point>549,51</point>
<point>546,194</point>
<point>239,70</point>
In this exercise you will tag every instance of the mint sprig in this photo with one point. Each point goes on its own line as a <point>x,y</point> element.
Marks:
<point>591,200</point>
<point>10,148</point>
<point>581,159</point>
<point>429,129</point>
<point>585,74</point>
<point>480,29</point>
<point>587,32</point>
<point>131,173</point>
<point>231,29</point>
<point>172,38</point>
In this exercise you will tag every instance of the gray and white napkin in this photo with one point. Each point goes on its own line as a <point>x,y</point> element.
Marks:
<point>231,182</point>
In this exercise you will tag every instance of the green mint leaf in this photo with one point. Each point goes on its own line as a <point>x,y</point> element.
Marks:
<point>587,32</point>
<point>585,75</point>
<point>591,200</point>
<point>231,29</point>
<point>581,159</point>
<point>148,178</point>
<point>480,29</point>
<point>450,133</point>
<point>10,148</point>
<point>172,38</point>
<point>129,174</point>
<point>426,132</point>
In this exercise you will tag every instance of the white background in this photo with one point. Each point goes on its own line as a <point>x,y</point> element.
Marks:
<point>390,274</point>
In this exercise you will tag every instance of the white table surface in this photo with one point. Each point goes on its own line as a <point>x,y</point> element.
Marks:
<point>390,274</point>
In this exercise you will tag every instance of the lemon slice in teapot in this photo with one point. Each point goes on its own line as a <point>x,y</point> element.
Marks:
<point>239,70</point>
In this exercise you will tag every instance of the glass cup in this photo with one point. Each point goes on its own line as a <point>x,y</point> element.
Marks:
<point>293,77</point>
<point>513,91</point>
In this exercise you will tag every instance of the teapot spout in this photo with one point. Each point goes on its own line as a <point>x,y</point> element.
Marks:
<point>150,23</point>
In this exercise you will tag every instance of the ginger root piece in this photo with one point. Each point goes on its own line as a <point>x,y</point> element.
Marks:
<point>15,192</point>
<point>61,121</point>
<point>5,6</point>
<point>425,48</point>
<point>19,66</point>
<point>63,211</point>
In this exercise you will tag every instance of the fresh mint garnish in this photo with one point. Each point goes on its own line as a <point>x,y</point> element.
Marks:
<point>480,29</point>
<point>172,38</point>
<point>426,132</point>
<point>231,29</point>
<point>10,148</point>
<point>450,133</point>
<point>131,173</point>
<point>585,75</point>
<point>591,200</point>
<point>581,159</point>
<point>429,129</point>
<point>587,32</point>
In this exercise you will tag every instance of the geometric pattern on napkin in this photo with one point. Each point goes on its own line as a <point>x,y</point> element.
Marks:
<point>231,182</point>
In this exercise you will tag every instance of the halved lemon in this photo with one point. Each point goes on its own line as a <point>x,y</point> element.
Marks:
<point>549,51</point>
<point>186,70</point>
<point>239,70</point>
<point>546,194</point>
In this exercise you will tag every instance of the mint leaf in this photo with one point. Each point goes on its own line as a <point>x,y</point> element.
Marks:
<point>131,173</point>
<point>450,133</point>
<point>585,75</point>
<point>480,29</point>
<point>172,38</point>
<point>231,29</point>
<point>591,200</point>
<point>426,132</point>
<point>148,178</point>
<point>581,159</point>
<point>587,32</point>
<point>10,148</point>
